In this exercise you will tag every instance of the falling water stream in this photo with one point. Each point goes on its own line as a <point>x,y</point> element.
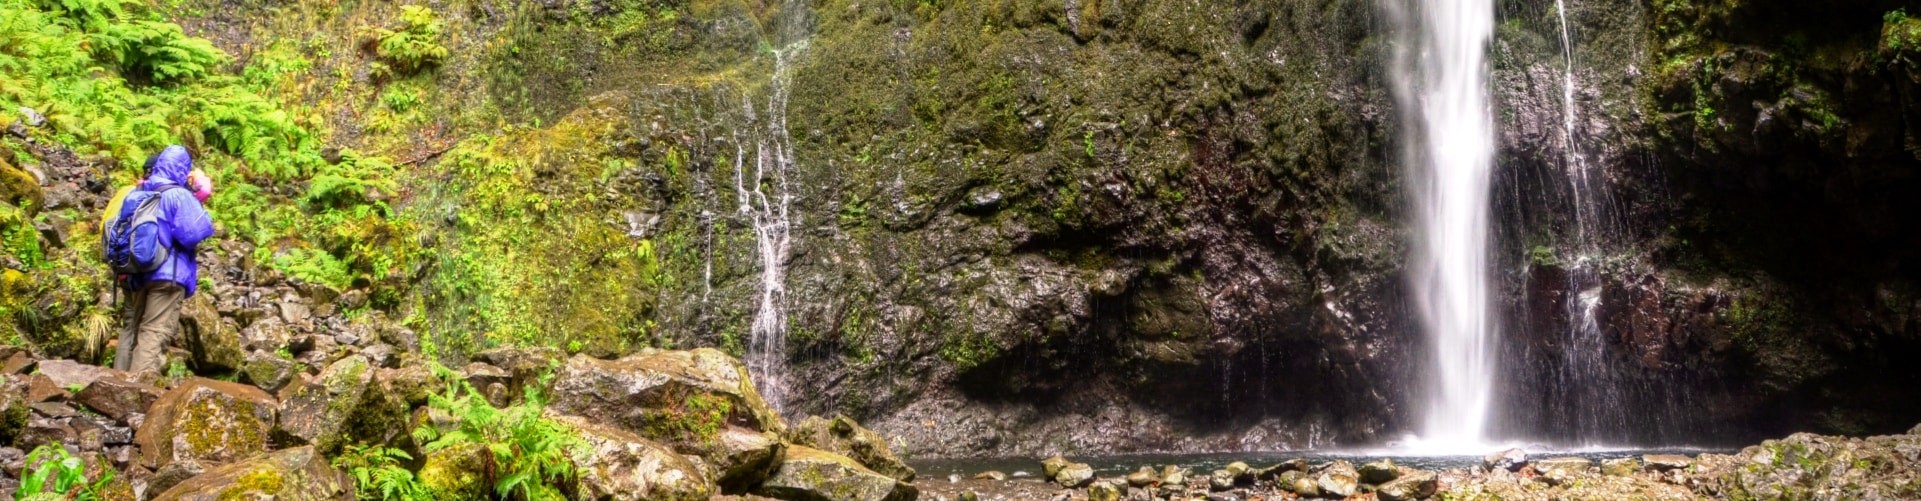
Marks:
<point>1441,84</point>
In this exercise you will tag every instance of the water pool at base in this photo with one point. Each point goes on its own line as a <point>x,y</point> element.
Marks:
<point>1115,465</point>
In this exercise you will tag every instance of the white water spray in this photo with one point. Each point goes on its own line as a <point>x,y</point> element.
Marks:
<point>1440,82</point>
<point>773,163</point>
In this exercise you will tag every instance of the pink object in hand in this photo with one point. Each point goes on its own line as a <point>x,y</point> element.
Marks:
<point>201,184</point>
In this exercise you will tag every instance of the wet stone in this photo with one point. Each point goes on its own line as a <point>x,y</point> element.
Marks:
<point>1510,460</point>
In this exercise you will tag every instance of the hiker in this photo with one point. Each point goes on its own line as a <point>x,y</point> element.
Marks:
<point>150,245</point>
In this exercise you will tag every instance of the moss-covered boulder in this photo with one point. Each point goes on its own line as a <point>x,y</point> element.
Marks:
<point>622,466</point>
<point>842,435</point>
<point>700,402</point>
<point>653,390</point>
<point>456,472</point>
<point>297,474</point>
<point>810,474</point>
<point>207,420</point>
<point>317,410</point>
<point>213,340</point>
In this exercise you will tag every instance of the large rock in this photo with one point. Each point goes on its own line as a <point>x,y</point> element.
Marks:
<point>1074,475</point>
<point>214,341</point>
<point>650,390</point>
<point>698,402</point>
<point>269,371</point>
<point>622,466</point>
<point>118,398</point>
<point>203,419</point>
<point>810,474</point>
<point>297,474</point>
<point>317,410</point>
<point>1379,472</point>
<point>456,472</point>
<point>71,374</point>
<point>842,435</point>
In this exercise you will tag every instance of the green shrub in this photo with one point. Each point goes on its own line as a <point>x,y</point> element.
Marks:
<point>156,51</point>
<point>379,473</point>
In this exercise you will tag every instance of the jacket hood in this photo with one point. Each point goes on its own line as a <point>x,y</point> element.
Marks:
<point>170,167</point>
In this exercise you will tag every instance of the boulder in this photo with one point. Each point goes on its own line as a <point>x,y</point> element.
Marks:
<point>204,419</point>
<point>16,361</point>
<point>1173,475</point>
<point>41,388</point>
<point>1338,479</point>
<point>1299,483</point>
<point>297,474</point>
<point>14,413</point>
<point>1238,469</point>
<point>993,475</point>
<point>317,410</point>
<point>810,474</point>
<point>1665,462</point>
<point>1510,460</point>
<point>1074,475</point>
<point>1379,472</point>
<point>698,402</point>
<point>622,466</point>
<point>1104,491</point>
<point>118,398</point>
<point>634,391</point>
<point>70,374</point>
<point>213,341</point>
<point>173,474</point>
<point>1409,487</point>
<point>269,371</point>
<point>841,435</point>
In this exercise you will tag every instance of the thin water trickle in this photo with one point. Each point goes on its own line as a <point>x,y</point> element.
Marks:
<point>773,165</point>
<point>1441,85</point>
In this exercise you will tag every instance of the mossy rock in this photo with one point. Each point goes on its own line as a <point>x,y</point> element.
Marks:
<point>206,420</point>
<point>20,189</point>
<point>842,435</point>
<point>318,411</point>
<point>811,474</point>
<point>456,472</point>
<point>622,466</point>
<point>297,474</point>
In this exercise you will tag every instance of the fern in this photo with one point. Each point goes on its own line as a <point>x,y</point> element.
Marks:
<point>379,473</point>
<point>157,51</point>
<point>413,47</point>
<point>57,474</point>
<point>533,456</point>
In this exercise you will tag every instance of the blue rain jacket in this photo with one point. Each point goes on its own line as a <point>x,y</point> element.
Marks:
<point>183,221</point>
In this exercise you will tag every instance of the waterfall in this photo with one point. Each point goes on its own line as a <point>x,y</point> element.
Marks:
<point>1441,85</point>
<point>773,166</point>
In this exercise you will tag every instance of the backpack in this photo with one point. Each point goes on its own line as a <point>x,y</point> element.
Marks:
<point>131,240</point>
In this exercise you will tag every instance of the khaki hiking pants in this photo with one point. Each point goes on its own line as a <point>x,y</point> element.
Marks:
<point>152,318</point>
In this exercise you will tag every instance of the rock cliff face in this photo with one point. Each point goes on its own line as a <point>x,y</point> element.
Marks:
<point>1093,226</point>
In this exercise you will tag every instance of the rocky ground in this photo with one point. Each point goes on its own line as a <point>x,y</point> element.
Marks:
<point>656,425</point>
<point>1802,466</point>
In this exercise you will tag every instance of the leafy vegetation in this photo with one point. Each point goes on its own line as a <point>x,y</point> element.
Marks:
<point>409,48</point>
<point>57,475</point>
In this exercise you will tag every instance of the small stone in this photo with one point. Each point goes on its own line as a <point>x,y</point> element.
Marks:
<point>1379,472</point>
<point>1074,475</point>
<point>347,338</point>
<point>1415,485</point>
<point>1295,464</point>
<point>32,117</point>
<point>1510,460</point>
<point>1621,467</point>
<point>1145,477</point>
<point>969,496</point>
<point>1665,462</point>
<point>53,409</point>
<point>993,475</point>
<point>1173,475</point>
<point>1103,491</point>
<point>1570,464</point>
<point>1220,480</point>
<point>1052,466</point>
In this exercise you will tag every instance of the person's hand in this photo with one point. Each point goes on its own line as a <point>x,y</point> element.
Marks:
<point>201,184</point>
